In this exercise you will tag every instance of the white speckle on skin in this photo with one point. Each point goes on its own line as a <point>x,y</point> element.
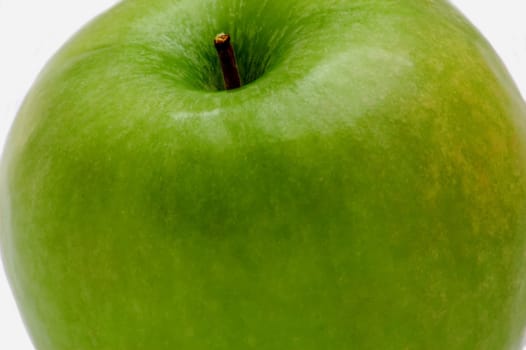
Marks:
<point>200,114</point>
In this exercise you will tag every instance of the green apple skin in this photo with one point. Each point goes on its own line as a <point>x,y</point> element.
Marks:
<point>365,189</point>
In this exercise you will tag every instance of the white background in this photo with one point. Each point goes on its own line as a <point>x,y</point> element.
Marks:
<point>32,30</point>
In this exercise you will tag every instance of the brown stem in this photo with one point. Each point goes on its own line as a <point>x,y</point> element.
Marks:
<point>227,58</point>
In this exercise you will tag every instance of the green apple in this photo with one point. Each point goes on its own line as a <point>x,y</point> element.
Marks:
<point>364,189</point>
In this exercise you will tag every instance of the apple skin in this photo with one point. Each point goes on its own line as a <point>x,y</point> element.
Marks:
<point>365,189</point>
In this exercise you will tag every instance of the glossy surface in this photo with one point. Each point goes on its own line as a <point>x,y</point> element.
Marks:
<point>365,189</point>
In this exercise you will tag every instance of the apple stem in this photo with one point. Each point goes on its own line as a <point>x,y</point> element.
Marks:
<point>227,58</point>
